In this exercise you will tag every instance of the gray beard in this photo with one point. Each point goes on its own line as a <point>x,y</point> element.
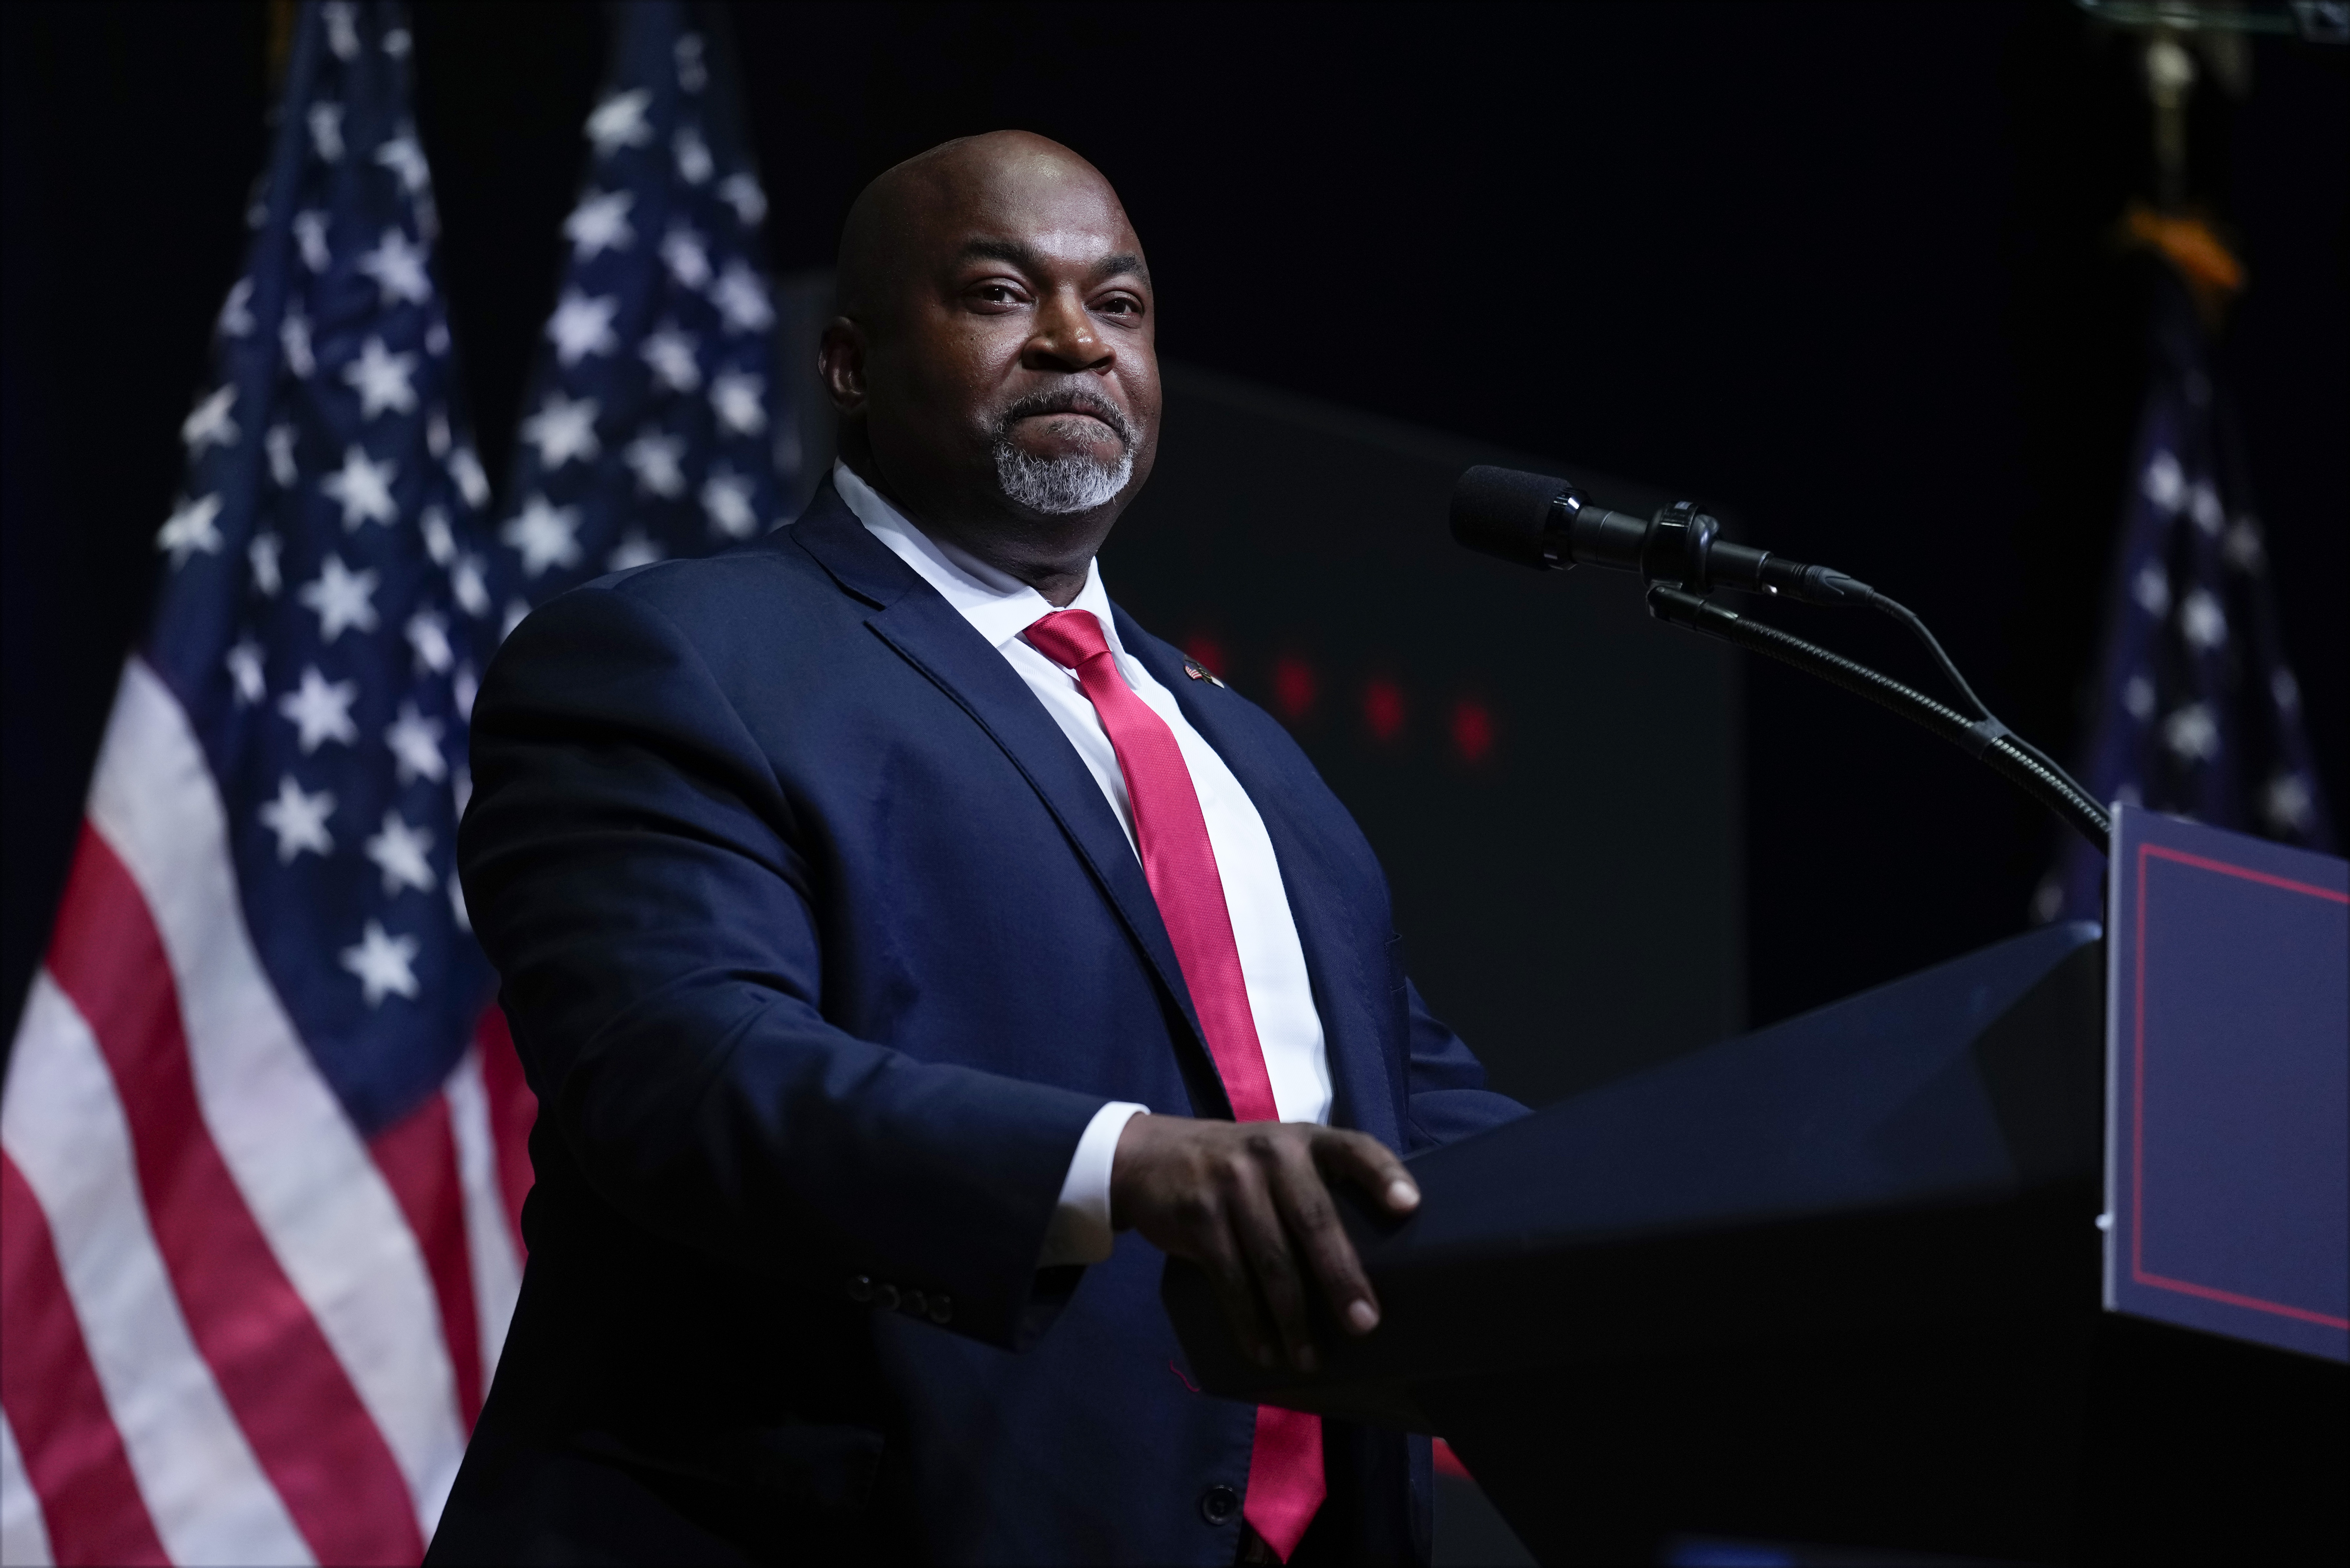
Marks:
<point>1058,486</point>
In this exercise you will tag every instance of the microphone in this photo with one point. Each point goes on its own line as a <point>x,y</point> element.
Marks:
<point>1536,520</point>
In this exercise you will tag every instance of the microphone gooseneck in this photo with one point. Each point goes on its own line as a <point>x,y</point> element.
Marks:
<point>1540,521</point>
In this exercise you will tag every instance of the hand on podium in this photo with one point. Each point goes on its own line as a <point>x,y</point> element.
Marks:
<point>1250,1204</point>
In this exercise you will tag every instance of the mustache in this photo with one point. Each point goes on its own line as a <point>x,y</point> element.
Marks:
<point>1070,400</point>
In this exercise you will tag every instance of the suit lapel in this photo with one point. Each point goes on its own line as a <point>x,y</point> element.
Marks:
<point>929,634</point>
<point>1318,881</point>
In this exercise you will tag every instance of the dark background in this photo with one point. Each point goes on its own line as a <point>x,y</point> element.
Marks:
<point>1849,271</point>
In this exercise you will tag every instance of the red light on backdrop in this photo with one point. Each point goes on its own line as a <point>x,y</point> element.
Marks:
<point>1208,651</point>
<point>1293,688</point>
<point>1383,709</point>
<point>1473,729</point>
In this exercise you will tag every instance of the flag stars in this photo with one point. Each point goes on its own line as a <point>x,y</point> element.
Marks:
<point>190,529</point>
<point>656,459</point>
<point>2287,804</point>
<point>2241,548</point>
<point>415,743</point>
<point>428,634</point>
<point>562,430</point>
<point>2203,506</point>
<point>440,540</point>
<point>400,853</point>
<point>693,162</point>
<point>633,550</point>
<point>726,502</point>
<point>2151,589</point>
<point>2164,482</point>
<point>600,223</point>
<point>472,482</point>
<point>742,299</point>
<point>298,820</point>
<point>619,121</point>
<point>397,264</point>
<point>405,159</point>
<point>208,424</point>
<point>2202,622</point>
<point>545,536</point>
<point>381,378</point>
<point>321,710</point>
<point>581,327</point>
<point>471,588</point>
<point>262,553</point>
<point>343,599</point>
<point>688,260</point>
<point>385,964</point>
<point>279,443</point>
<point>670,353</point>
<point>245,672</point>
<point>362,488</point>
<point>741,192</point>
<point>237,311</point>
<point>2192,734</point>
<point>294,335</point>
<point>310,239</point>
<point>2137,697</point>
<point>737,397</point>
<point>342,28</point>
<point>325,122</point>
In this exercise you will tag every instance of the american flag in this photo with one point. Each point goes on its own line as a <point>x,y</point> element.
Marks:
<point>2199,714</point>
<point>654,427</point>
<point>263,1144</point>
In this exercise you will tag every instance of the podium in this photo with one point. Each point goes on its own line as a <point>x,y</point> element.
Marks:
<point>1836,1284</point>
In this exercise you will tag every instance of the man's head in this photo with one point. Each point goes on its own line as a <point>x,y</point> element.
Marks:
<point>992,363</point>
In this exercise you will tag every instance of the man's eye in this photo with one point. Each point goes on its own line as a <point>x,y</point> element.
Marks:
<point>1121,305</point>
<point>995,294</point>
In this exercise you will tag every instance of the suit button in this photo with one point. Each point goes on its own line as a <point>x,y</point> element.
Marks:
<point>913,1302</point>
<point>1218,1503</point>
<point>860,1288</point>
<point>885,1297</point>
<point>942,1309</point>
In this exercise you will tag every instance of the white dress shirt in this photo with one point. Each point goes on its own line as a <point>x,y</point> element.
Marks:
<point>1001,608</point>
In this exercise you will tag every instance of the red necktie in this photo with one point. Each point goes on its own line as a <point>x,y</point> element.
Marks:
<point>1284,1485</point>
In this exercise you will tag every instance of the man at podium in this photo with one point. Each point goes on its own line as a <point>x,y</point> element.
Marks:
<point>908,951</point>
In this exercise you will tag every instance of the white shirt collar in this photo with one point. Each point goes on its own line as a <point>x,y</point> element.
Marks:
<point>999,606</point>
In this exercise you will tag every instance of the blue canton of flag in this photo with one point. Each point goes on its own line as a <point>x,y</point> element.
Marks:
<point>2199,713</point>
<point>651,428</point>
<point>316,623</point>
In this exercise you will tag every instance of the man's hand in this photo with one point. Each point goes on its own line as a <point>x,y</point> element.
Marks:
<point>1247,1202</point>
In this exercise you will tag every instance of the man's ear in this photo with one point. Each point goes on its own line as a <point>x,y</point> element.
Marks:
<point>840,362</point>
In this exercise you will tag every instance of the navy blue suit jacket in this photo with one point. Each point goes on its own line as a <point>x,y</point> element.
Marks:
<point>821,947</point>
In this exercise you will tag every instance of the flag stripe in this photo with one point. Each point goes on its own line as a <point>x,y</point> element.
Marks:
<point>65,1131</point>
<point>93,1511</point>
<point>489,1230</point>
<point>513,1109</point>
<point>418,1157</point>
<point>328,1214</point>
<point>292,1396</point>
<point>24,1536</point>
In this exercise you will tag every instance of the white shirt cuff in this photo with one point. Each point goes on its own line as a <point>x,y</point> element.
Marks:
<point>1080,1233</point>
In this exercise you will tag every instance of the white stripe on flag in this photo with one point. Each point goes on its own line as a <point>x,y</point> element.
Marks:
<point>489,1236</point>
<point>65,1130</point>
<point>24,1538</point>
<point>301,1165</point>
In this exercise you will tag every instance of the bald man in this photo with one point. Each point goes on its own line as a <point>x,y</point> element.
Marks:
<point>908,951</point>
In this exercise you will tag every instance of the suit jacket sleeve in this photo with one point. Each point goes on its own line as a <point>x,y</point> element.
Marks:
<point>1445,1100</point>
<point>635,869</point>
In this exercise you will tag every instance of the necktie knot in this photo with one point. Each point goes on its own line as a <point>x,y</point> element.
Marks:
<point>1068,637</point>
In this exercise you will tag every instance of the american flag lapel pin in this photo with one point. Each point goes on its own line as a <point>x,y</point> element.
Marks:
<point>1198,672</point>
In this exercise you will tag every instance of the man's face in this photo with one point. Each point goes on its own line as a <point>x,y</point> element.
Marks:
<point>1012,369</point>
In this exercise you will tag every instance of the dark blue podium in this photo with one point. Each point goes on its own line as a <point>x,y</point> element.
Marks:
<point>1837,1282</point>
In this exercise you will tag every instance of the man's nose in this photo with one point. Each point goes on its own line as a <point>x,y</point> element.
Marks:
<point>1067,339</point>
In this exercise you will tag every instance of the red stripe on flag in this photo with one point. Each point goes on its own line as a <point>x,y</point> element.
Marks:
<point>513,1109</point>
<point>295,1404</point>
<point>418,1157</point>
<point>89,1498</point>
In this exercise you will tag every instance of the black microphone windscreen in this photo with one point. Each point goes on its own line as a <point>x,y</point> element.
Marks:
<point>1505,511</point>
